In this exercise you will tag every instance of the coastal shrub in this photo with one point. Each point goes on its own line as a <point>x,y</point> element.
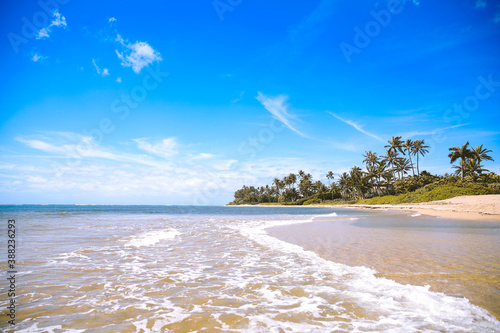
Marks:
<point>494,185</point>
<point>433,192</point>
<point>312,201</point>
<point>413,183</point>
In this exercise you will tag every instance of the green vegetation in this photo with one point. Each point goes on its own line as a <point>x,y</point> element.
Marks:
<point>432,192</point>
<point>385,180</point>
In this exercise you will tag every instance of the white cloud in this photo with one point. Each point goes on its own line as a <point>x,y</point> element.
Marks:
<point>165,148</point>
<point>43,33</point>
<point>77,167</point>
<point>119,79</point>
<point>236,100</point>
<point>276,105</point>
<point>481,4</point>
<point>112,19</point>
<point>103,72</point>
<point>136,55</point>
<point>356,127</point>
<point>59,21</point>
<point>36,57</point>
<point>430,132</point>
<point>203,156</point>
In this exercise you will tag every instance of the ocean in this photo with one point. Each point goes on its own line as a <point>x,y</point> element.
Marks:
<point>210,269</point>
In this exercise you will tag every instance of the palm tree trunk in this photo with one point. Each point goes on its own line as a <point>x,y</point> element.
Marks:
<point>418,171</point>
<point>412,168</point>
<point>462,166</point>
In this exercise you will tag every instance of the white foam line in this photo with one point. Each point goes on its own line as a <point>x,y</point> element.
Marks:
<point>152,237</point>
<point>412,306</point>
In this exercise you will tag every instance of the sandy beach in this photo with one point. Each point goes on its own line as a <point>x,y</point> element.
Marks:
<point>478,207</point>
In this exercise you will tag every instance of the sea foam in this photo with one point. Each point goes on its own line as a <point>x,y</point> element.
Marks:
<point>152,237</point>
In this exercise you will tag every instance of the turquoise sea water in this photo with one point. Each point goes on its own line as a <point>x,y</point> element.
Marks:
<point>205,269</point>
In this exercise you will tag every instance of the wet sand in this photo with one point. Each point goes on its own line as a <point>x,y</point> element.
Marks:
<point>472,207</point>
<point>457,257</point>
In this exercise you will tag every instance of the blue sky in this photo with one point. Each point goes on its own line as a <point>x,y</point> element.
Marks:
<point>183,102</point>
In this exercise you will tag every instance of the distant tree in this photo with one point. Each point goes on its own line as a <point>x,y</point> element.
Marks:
<point>419,148</point>
<point>391,159</point>
<point>279,185</point>
<point>403,166</point>
<point>474,169</point>
<point>395,145</point>
<point>462,153</point>
<point>481,154</point>
<point>344,184</point>
<point>370,158</point>
<point>330,177</point>
<point>409,147</point>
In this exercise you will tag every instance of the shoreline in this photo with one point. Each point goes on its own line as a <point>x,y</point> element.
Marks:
<point>447,258</point>
<point>473,207</point>
<point>478,208</point>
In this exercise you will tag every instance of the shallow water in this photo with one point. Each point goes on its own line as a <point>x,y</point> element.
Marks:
<point>213,269</point>
<point>459,258</point>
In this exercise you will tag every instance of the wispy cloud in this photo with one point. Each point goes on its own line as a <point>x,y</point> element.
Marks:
<point>481,4</point>
<point>58,21</point>
<point>112,19</point>
<point>236,100</point>
<point>203,156</point>
<point>431,132</point>
<point>165,148</point>
<point>74,162</point>
<point>279,109</point>
<point>136,55</point>
<point>36,58</point>
<point>103,72</point>
<point>356,126</point>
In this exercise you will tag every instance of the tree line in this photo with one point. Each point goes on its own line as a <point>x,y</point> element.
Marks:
<point>398,171</point>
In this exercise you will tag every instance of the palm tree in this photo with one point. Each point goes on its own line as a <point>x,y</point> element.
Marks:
<point>395,144</point>
<point>305,185</point>
<point>481,154</point>
<point>409,146</point>
<point>292,179</point>
<point>391,159</point>
<point>474,169</point>
<point>364,185</point>
<point>462,153</point>
<point>355,175</point>
<point>344,182</point>
<point>380,172</point>
<point>277,182</point>
<point>370,158</point>
<point>403,166</point>
<point>330,177</point>
<point>419,148</point>
<point>389,180</point>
